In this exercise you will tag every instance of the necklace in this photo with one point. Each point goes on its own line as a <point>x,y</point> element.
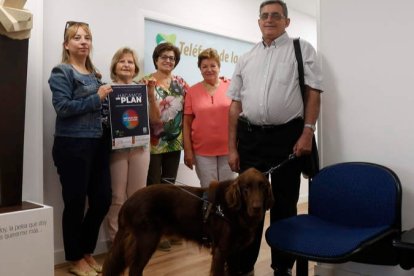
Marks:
<point>211,88</point>
<point>163,80</point>
<point>166,82</point>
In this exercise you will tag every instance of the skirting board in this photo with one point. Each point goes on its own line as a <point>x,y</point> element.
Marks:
<point>358,269</point>
<point>329,270</point>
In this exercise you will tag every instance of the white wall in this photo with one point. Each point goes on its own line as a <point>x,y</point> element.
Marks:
<point>365,46</point>
<point>367,51</point>
<point>33,134</point>
<point>115,24</point>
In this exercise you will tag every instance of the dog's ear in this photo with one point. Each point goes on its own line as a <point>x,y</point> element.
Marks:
<point>233,195</point>
<point>268,193</point>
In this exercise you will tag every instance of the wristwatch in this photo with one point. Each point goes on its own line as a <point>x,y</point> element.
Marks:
<point>311,126</point>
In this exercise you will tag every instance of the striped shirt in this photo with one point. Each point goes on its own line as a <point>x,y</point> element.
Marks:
<point>266,81</point>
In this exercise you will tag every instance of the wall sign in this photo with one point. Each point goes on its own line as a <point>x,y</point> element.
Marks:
<point>191,42</point>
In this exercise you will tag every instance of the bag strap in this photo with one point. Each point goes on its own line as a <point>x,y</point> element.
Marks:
<point>298,54</point>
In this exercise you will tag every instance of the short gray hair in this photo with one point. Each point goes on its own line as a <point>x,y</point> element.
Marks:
<point>279,2</point>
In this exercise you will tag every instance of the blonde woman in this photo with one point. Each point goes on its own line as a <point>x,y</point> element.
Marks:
<point>81,147</point>
<point>129,167</point>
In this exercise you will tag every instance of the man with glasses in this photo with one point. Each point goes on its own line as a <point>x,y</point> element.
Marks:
<point>268,121</point>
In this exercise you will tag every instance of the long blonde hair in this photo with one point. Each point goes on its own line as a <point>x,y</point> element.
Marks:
<point>70,31</point>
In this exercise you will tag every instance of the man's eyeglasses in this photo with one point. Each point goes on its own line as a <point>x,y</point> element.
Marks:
<point>273,16</point>
<point>71,23</point>
<point>166,58</point>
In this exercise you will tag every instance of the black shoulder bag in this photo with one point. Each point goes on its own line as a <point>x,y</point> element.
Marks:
<point>310,162</point>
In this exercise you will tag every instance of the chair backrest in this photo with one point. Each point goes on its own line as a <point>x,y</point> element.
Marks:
<point>357,194</point>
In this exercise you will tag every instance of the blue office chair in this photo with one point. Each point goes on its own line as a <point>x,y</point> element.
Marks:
<point>354,215</point>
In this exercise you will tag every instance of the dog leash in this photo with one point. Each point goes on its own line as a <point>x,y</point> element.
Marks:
<point>184,190</point>
<point>207,205</point>
<point>291,157</point>
<point>284,162</point>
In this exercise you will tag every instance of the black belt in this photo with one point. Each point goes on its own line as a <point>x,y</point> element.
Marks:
<point>247,124</point>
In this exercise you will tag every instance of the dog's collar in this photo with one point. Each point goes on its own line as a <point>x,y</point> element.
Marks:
<point>208,199</point>
<point>219,212</point>
<point>208,206</point>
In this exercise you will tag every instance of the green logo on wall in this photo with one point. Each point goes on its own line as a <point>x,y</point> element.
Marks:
<point>161,38</point>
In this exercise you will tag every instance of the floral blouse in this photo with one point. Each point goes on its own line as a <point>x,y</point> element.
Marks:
<point>168,135</point>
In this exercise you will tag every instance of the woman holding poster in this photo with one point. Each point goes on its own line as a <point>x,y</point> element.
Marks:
<point>166,136</point>
<point>129,166</point>
<point>206,114</point>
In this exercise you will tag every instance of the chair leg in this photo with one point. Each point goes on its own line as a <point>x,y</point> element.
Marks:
<point>301,267</point>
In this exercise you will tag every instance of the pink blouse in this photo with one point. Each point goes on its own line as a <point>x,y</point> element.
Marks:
<point>209,129</point>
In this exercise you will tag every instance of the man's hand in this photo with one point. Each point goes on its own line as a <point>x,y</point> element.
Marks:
<point>304,145</point>
<point>234,161</point>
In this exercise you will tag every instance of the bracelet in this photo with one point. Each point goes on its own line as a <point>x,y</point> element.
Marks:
<point>311,126</point>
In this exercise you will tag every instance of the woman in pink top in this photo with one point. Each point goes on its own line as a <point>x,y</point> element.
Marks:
<point>205,130</point>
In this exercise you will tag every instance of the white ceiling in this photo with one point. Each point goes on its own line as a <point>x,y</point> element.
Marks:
<point>305,6</point>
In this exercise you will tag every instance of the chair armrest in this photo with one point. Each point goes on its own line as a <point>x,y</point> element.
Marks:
<point>405,247</point>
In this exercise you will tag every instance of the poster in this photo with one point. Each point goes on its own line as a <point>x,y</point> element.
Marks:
<point>129,116</point>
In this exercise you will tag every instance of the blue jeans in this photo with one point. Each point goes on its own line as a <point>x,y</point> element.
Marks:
<point>83,168</point>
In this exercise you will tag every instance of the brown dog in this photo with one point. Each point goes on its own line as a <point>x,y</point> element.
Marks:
<point>237,208</point>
